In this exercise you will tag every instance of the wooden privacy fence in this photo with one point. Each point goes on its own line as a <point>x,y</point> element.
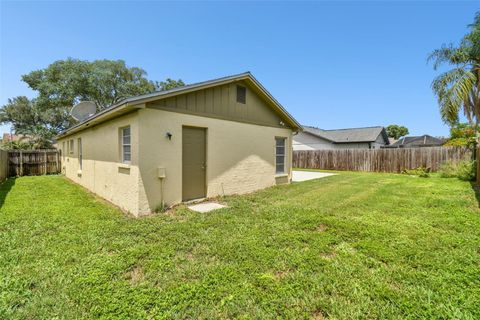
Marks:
<point>33,162</point>
<point>3,165</point>
<point>380,160</point>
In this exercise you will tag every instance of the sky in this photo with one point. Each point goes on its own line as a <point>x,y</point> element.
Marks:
<point>330,64</point>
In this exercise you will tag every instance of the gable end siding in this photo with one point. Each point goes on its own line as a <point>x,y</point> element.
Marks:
<point>221,102</point>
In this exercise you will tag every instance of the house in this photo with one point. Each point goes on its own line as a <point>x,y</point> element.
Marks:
<point>355,138</point>
<point>10,137</point>
<point>418,142</point>
<point>218,137</point>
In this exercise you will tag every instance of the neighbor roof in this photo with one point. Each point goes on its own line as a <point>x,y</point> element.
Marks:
<point>422,141</point>
<point>135,101</point>
<point>367,134</point>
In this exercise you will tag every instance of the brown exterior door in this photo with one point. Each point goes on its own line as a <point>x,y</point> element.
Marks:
<point>194,163</point>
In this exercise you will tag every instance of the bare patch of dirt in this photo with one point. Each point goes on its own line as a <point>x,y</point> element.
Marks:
<point>281,274</point>
<point>321,228</point>
<point>135,275</point>
<point>318,315</point>
<point>328,255</point>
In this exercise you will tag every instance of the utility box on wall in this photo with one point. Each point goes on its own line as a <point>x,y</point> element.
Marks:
<point>161,172</point>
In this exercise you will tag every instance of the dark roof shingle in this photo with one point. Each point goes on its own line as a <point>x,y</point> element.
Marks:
<point>367,134</point>
<point>418,141</point>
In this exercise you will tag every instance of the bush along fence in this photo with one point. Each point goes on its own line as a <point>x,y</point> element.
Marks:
<point>478,167</point>
<point>380,160</point>
<point>32,162</point>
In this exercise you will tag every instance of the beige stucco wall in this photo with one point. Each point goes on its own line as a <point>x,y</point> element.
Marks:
<point>102,172</point>
<point>240,156</point>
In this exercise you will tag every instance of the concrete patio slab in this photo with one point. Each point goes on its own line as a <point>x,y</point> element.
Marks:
<point>298,176</point>
<point>206,207</point>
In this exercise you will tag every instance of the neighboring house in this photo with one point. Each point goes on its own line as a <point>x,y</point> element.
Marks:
<point>417,142</point>
<point>9,137</point>
<point>392,140</point>
<point>355,138</point>
<point>219,137</point>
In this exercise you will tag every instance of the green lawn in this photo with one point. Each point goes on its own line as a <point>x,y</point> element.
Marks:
<point>356,245</point>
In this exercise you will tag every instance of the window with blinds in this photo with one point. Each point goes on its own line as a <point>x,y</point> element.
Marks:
<point>126,145</point>
<point>70,146</point>
<point>280,155</point>
<point>80,153</point>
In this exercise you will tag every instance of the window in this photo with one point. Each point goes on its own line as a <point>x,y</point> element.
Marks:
<point>70,146</point>
<point>280,155</point>
<point>241,94</point>
<point>63,150</point>
<point>126,146</point>
<point>80,153</point>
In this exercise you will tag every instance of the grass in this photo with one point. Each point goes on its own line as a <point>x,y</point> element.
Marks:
<point>347,246</point>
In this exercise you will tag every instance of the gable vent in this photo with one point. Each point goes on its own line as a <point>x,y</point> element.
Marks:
<point>241,94</point>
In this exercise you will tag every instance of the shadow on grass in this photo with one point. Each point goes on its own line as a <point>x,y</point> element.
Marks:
<point>5,188</point>
<point>476,189</point>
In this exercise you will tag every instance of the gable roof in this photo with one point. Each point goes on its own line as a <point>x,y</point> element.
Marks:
<point>136,102</point>
<point>351,135</point>
<point>418,141</point>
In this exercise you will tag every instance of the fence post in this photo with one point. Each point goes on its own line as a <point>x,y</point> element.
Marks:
<point>21,163</point>
<point>478,166</point>
<point>45,164</point>
<point>56,161</point>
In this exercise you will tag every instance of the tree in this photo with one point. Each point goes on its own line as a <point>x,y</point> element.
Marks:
<point>462,134</point>
<point>462,130</point>
<point>64,83</point>
<point>39,126</point>
<point>67,82</point>
<point>458,90</point>
<point>395,131</point>
<point>169,84</point>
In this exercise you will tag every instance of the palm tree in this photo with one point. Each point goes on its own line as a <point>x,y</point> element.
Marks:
<point>458,89</point>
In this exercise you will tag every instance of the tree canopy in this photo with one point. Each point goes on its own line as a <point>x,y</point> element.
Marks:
<point>458,89</point>
<point>395,131</point>
<point>168,84</point>
<point>462,134</point>
<point>64,83</point>
<point>67,82</point>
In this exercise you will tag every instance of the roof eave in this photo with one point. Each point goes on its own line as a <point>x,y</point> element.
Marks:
<point>102,116</point>
<point>359,141</point>
<point>141,100</point>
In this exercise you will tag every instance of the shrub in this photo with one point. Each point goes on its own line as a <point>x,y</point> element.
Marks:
<point>421,172</point>
<point>467,170</point>
<point>448,170</point>
<point>463,170</point>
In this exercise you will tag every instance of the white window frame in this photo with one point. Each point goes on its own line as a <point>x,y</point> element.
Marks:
<point>71,146</point>
<point>284,155</point>
<point>80,153</point>
<point>123,144</point>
